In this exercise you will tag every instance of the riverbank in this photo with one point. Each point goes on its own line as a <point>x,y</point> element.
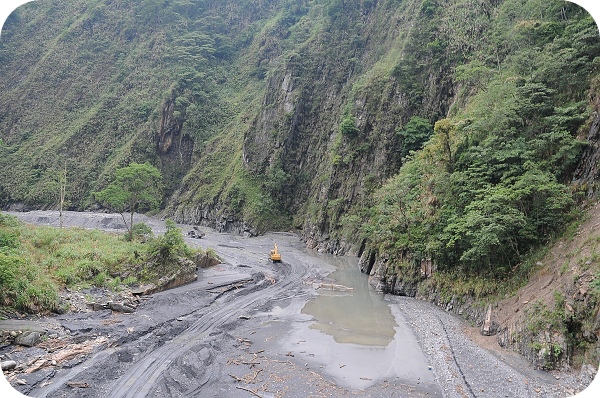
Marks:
<point>228,334</point>
<point>548,311</point>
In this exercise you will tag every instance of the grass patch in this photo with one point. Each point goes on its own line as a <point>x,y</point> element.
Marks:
<point>36,262</point>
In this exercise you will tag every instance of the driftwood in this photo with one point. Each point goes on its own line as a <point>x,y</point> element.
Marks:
<point>333,286</point>
<point>77,384</point>
<point>72,352</point>
<point>256,394</point>
<point>37,365</point>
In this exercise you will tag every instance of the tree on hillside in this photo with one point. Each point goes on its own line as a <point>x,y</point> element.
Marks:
<point>414,134</point>
<point>56,184</point>
<point>61,180</point>
<point>135,187</point>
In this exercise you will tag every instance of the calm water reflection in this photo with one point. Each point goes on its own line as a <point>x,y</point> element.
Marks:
<point>360,316</point>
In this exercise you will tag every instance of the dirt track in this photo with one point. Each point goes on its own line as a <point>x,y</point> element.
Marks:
<point>225,335</point>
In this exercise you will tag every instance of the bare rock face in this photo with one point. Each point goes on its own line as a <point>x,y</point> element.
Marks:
<point>367,260</point>
<point>377,277</point>
<point>216,217</point>
<point>170,127</point>
<point>587,173</point>
<point>403,287</point>
<point>490,324</point>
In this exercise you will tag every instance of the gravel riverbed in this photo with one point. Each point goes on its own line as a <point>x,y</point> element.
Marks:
<point>228,334</point>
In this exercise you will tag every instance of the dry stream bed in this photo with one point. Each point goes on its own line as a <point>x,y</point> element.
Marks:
<point>309,327</point>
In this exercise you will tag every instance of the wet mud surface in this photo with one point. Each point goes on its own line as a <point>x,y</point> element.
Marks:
<point>244,329</point>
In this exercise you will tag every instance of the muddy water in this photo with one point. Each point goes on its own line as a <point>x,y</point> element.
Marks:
<point>355,335</point>
<point>348,310</point>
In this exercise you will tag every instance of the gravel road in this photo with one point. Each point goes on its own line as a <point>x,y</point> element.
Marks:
<point>222,336</point>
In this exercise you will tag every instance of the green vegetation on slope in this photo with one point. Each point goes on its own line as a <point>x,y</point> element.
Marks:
<point>273,114</point>
<point>488,187</point>
<point>35,262</point>
<point>489,191</point>
<point>98,85</point>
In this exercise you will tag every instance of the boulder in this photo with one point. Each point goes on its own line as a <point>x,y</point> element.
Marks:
<point>28,338</point>
<point>8,365</point>
<point>489,326</point>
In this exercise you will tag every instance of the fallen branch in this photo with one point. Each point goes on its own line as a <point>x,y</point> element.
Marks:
<point>245,341</point>
<point>38,365</point>
<point>256,374</point>
<point>34,360</point>
<point>52,345</point>
<point>250,391</point>
<point>77,384</point>
<point>333,286</point>
<point>70,353</point>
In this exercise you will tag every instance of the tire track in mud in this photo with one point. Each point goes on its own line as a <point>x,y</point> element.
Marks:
<point>150,370</point>
<point>142,376</point>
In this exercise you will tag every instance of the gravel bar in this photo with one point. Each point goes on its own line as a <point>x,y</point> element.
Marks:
<point>465,369</point>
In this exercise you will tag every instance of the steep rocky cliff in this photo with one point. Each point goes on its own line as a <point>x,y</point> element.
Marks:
<point>260,115</point>
<point>444,142</point>
<point>588,170</point>
<point>353,62</point>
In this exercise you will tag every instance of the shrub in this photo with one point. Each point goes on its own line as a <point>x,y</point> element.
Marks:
<point>66,275</point>
<point>414,134</point>
<point>101,279</point>
<point>8,221</point>
<point>40,294</point>
<point>88,269</point>
<point>8,240</point>
<point>130,280</point>
<point>140,231</point>
<point>9,267</point>
<point>24,286</point>
<point>169,246</point>
<point>348,126</point>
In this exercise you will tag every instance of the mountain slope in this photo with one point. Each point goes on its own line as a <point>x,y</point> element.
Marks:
<point>455,135</point>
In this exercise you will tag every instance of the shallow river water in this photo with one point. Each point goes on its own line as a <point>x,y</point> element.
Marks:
<point>354,334</point>
<point>357,314</point>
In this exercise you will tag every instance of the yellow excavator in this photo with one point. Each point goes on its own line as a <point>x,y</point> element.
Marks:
<point>275,256</point>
